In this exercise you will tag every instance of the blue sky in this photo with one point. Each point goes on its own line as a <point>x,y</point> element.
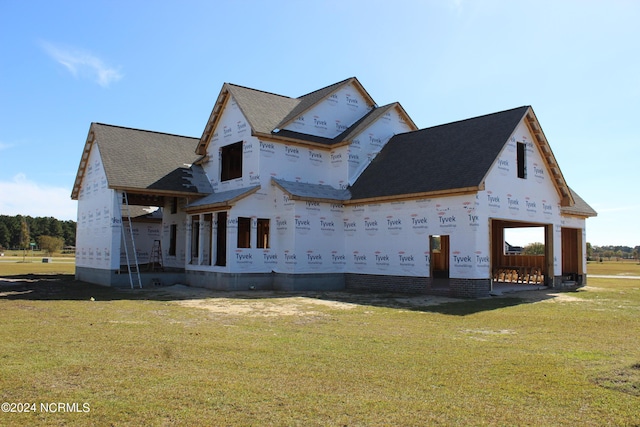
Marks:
<point>159,65</point>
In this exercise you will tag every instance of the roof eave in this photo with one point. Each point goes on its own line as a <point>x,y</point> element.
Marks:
<point>225,204</point>
<point>533,125</point>
<point>156,192</point>
<point>214,117</point>
<point>416,196</point>
<point>84,160</point>
<point>307,198</point>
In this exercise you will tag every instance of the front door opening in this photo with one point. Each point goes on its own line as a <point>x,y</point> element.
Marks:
<point>439,249</point>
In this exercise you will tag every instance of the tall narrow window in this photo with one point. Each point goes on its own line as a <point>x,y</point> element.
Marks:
<point>522,161</point>
<point>244,232</point>
<point>174,205</point>
<point>263,233</point>
<point>221,239</point>
<point>195,239</point>
<point>173,232</point>
<point>231,162</point>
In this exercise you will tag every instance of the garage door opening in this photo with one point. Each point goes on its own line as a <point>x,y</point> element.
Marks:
<point>520,253</point>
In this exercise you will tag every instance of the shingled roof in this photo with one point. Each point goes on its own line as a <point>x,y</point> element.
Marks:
<point>453,157</point>
<point>308,191</point>
<point>580,208</point>
<point>267,113</point>
<point>136,160</point>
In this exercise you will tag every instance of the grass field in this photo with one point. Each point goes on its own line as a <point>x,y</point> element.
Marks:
<point>181,356</point>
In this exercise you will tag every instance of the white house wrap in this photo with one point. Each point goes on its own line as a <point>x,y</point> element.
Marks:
<point>328,191</point>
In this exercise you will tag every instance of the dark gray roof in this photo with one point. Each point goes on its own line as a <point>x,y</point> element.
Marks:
<point>580,208</point>
<point>143,160</point>
<point>306,190</point>
<point>223,198</point>
<point>443,158</point>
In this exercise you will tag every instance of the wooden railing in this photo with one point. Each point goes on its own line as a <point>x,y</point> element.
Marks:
<point>527,269</point>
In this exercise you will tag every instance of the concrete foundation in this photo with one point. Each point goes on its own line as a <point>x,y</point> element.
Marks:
<point>117,279</point>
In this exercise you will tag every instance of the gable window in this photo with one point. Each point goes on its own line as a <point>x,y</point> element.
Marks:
<point>231,162</point>
<point>244,232</point>
<point>263,233</point>
<point>522,160</point>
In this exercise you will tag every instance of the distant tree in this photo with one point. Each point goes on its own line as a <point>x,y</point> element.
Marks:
<point>25,237</point>
<point>4,235</point>
<point>51,244</point>
<point>55,228</point>
<point>69,232</point>
<point>534,249</point>
<point>589,251</point>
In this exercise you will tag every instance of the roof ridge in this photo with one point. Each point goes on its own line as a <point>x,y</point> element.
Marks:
<point>326,87</point>
<point>477,117</point>
<point>261,91</point>
<point>144,130</point>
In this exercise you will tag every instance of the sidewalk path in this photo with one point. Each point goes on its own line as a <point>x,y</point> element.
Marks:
<point>602,276</point>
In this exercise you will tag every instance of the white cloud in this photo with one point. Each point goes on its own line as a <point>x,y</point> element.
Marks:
<point>23,197</point>
<point>4,146</point>
<point>83,64</point>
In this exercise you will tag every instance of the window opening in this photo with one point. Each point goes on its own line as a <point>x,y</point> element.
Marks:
<point>263,233</point>
<point>173,233</point>
<point>522,163</point>
<point>221,239</point>
<point>231,161</point>
<point>244,232</point>
<point>195,239</point>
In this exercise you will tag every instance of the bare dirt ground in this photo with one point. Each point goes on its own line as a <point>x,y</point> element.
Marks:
<point>261,303</point>
<point>273,303</point>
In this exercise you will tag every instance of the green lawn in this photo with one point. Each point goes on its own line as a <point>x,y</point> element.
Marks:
<point>620,268</point>
<point>155,357</point>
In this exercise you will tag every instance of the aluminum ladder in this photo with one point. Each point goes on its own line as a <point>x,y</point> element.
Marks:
<point>130,246</point>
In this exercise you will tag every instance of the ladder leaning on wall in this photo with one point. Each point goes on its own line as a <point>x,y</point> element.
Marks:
<point>130,245</point>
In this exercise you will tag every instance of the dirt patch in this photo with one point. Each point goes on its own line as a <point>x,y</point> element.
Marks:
<point>271,303</point>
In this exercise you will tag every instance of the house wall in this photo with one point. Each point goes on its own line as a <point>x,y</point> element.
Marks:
<point>393,238</point>
<point>334,115</point>
<point>365,146</point>
<point>144,235</point>
<point>98,225</point>
<point>180,220</point>
<point>533,200</point>
<point>337,167</point>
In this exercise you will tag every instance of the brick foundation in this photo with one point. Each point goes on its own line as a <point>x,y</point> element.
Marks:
<point>470,288</point>
<point>380,283</point>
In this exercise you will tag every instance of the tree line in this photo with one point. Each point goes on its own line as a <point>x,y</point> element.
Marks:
<point>613,252</point>
<point>19,232</point>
